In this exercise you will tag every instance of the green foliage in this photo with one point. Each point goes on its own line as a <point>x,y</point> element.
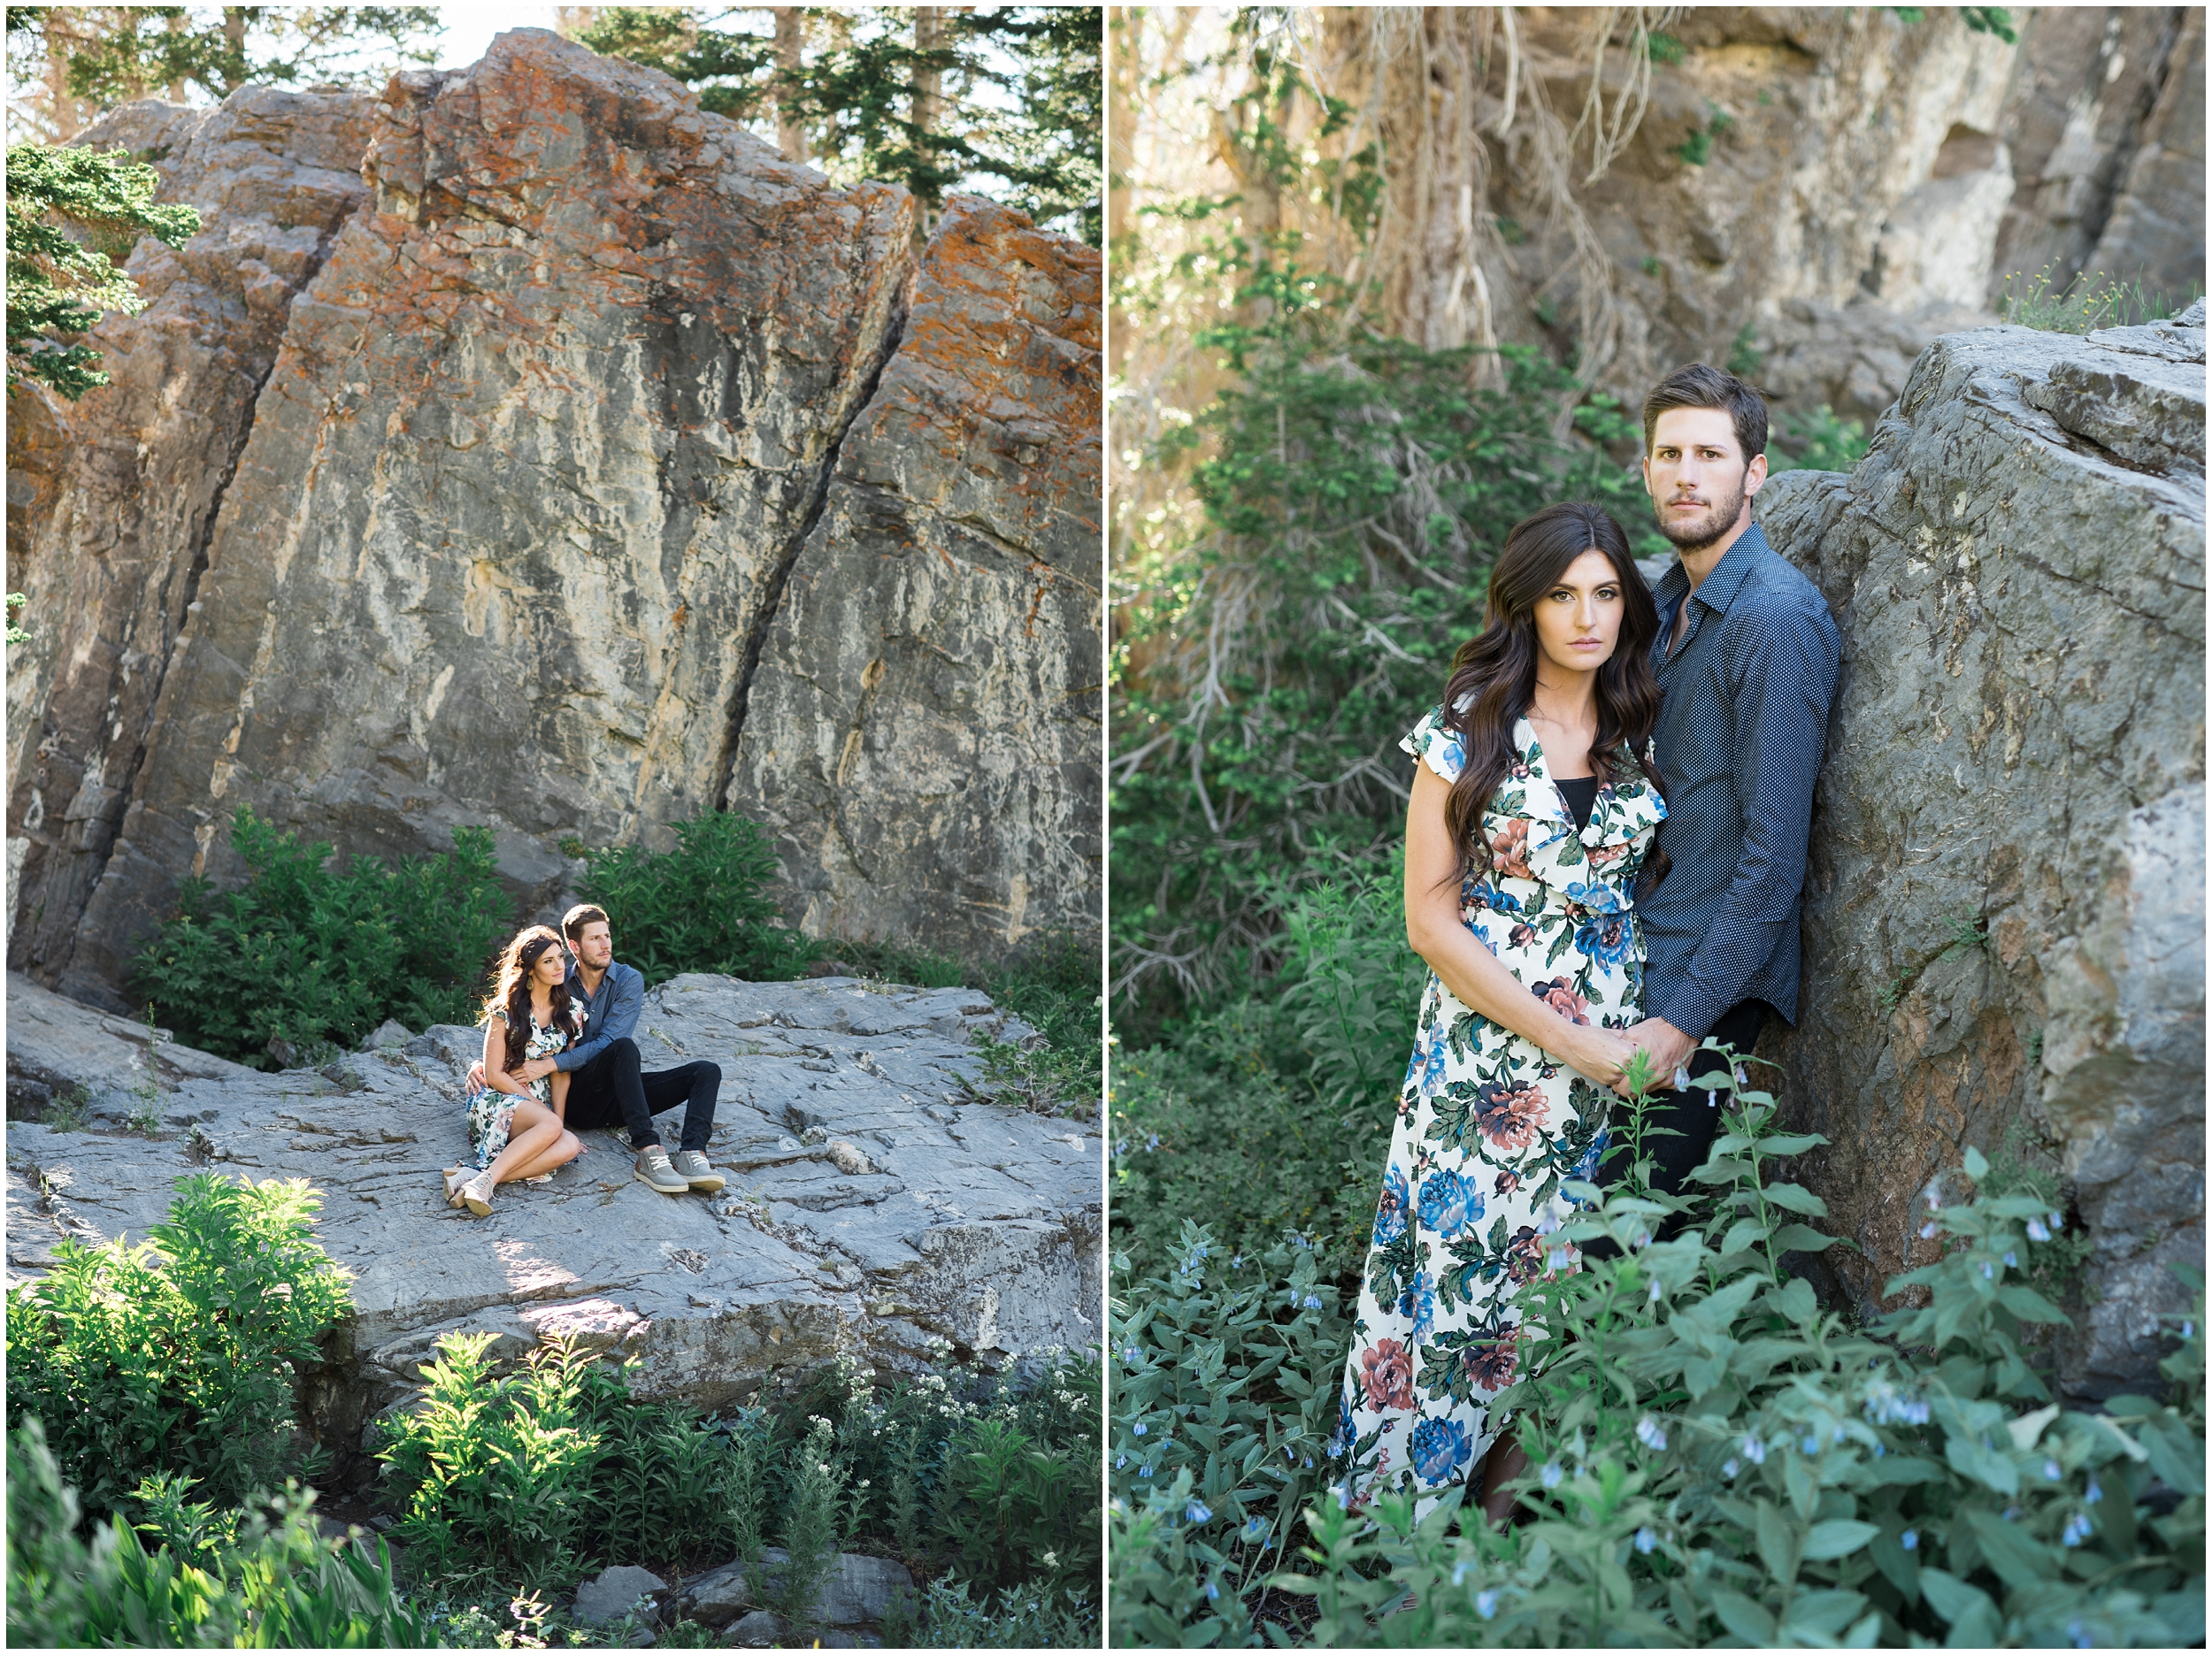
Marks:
<point>1019,1617</point>
<point>1053,985</point>
<point>305,955</point>
<point>2091,301</point>
<point>1353,975</point>
<point>176,1355</point>
<point>73,215</point>
<point>1665,49</point>
<point>1020,94</point>
<point>532,1475</point>
<point>702,907</point>
<point>1990,20</point>
<point>1745,358</point>
<point>1354,489</point>
<point>262,1579</point>
<point>1715,1458</point>
<point>1821,443</point>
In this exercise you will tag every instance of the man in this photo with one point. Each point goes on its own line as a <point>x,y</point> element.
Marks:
<point>606,1086</point>
<point>1747,659</point>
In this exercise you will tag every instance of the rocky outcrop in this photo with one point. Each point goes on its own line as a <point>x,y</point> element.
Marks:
<point>875,1206</point>
<point>2004,916</point>
<point>550,492</point>
<point>953,577</point>
<point>112,499</point>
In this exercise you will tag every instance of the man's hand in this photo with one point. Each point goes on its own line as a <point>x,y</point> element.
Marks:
<point>1668,1047</point>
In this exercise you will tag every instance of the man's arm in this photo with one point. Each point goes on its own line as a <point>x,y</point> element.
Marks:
<point>625,1003</point>
<point>1787,687</point>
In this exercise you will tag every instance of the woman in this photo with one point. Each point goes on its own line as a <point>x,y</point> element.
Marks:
<point>517,1128</point>
<point>1532,813</point>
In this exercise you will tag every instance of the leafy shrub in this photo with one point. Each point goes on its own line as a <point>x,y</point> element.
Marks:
<point>702,906</point>
<point>1821,443</point>
<point>175,1355</point>
<point>2090,300</point>
<point>1019,1617</point>
<point>260,1580</point>
<point>1716,1457</point>
<point>306,955</point>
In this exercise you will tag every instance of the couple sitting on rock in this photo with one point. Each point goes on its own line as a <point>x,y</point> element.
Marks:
<point>558,1055</point>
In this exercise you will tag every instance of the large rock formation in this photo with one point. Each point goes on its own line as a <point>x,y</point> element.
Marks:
<point>876,1206</point>
<point>2004,921</point>
<point>552,428</point>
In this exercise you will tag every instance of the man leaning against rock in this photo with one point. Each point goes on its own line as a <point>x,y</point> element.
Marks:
<point>607,1085</point>
<point>1747,659</point>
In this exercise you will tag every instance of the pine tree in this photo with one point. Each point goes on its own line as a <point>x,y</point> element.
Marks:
<point>73,215</point>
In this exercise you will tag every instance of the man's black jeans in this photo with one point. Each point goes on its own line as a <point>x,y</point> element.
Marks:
<point>611,1091</point>
<point>1692,1114</point>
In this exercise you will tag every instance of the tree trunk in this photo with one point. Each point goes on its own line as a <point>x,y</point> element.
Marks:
<point>927,86</point>
<point>790,130</point>
<point>235,37</point>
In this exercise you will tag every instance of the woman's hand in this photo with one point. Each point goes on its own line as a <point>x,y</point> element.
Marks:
<point>1601,1056</point>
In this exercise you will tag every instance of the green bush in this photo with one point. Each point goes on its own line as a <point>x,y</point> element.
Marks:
<point>1821,443</point>
<point>1017,1618</point>
<point>261,1579</point>
<point>702,906</point>
<point>312,957</point>
<point>1716,1458</point>
<point>176,1355</point>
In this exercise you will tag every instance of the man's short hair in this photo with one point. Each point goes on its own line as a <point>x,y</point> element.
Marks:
<point>573,921</point>
<point>1698,386</point>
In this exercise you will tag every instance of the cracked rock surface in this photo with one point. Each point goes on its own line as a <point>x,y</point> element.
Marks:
<point>874,1206</point>
<point>2004,911</point>
<point>505,456</point>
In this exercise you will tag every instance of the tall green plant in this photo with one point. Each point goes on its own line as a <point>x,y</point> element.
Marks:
<point>177,1355</point>
<point>267,1580</point>
<point>702,907</point>
<point>304,954</point>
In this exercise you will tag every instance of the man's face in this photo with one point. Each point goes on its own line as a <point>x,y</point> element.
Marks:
<point>595,946</point>
<point>1697,476</point>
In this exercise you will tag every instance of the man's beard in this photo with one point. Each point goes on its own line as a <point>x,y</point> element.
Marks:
<point>1699,532</point>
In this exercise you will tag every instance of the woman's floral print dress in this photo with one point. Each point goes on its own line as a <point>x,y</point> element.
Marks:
<point>490,1113</point>
<point>1488,1127</point>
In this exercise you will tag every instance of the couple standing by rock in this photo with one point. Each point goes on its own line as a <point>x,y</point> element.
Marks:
<point>1590,710</point>
<point>560,1056</point>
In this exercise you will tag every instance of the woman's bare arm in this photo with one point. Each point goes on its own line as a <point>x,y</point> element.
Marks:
<point>1479,980</point>
<point>560,1096</point>
<point>496,1075</point>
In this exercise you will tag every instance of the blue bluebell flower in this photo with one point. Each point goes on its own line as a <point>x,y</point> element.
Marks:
<point>1910,1540</point>
<point>2011,1261</point>
<point>1196,1513</point>
<point>1141,1428</point>
<point>2077,1530</point>
<point>1312,1302</point>
<point>1487,1603</point>
<point>1651,1434</point>
<point>1730,1467</point>
<point>2037,1231</point>
<point>1213,1590</point>
<point>2051,1471</point>
<point>1554,1473</point>
<point>2093,1494</point>
<point>1645,1541</point>
<point>1754,1449</point>
<point>1152,1142</point>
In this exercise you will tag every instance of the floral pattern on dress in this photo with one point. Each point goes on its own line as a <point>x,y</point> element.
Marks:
<point>1488,1128</point>
<point>490,1113</point>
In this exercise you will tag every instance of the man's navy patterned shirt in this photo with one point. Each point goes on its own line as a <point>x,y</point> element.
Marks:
<point>1741,729</point>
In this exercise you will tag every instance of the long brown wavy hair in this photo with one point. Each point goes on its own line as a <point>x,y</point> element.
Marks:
<point>1494,672</point>
<point>510,989</point>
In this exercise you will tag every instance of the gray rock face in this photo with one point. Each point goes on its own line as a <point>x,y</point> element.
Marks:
<point>121,490</point>
<point>954,577</point>
<point>546,497</point>
<point>972,1224</point>
<point>856,1592</point>
<point>2004,921</point>
<point>611,1594</point>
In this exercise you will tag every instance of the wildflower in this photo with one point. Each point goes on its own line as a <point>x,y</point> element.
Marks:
<point>2094,1493</point>
<point>1645,1541</point>
<point>1554,1474</point>
<point>1213,1589</point>
<point>1989,1271</point>
<point>1910,1540</point>
<point>1153,1142</point>
<point>1651,1434</point>
<point>2051,1472</point>
<point>1120,1460</point>
<point>1121,1146</point>
<point>2011,1514</point>
<point>1928,1231</point>
<point>1811,1444</point>
<point>2057,1219</point>
<point>2012,1261</point>
<point>1144,1471</point>
<point>1290,1455</point>
<point>1254,1527</point>
<point>2077,1530</point>
<point>2188,1329</point>
<point>1754,1449</point>
<point>1141,1428</point>
<point>1460,1568</point>
<point>1196,1513</point>
<point>1742,1079</point>
<point>2037,1231</point>
<point>1487,1603</point>
<point>1681,1077</point>
<point>2080,1635</point>
<point>1312,1302</point>
<point>1880,1449</point>
<point>1130,1354</point>
<point>1309,1462</point>
<point>1730,1467</point>
<point>1236,1261</point>
<point>1654,1290</point>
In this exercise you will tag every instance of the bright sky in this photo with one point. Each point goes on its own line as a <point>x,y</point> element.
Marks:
<point>469,29</point>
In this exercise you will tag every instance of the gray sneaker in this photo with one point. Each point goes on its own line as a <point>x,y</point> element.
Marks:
<point>653,1170</point>
<point>690,1164</point>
